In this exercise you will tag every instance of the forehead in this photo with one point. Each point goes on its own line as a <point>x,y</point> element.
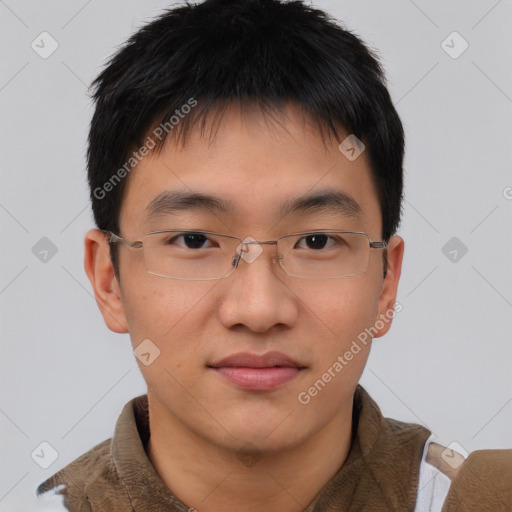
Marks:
<point>250,167</point>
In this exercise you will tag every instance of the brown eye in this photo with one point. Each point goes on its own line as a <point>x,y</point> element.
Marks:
<point>316,241</point>
<point>188,240</point>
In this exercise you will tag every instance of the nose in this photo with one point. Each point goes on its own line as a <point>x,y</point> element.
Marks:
<point>256,295</point>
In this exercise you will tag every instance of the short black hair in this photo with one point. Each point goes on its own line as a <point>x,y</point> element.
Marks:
<point>217,52</point>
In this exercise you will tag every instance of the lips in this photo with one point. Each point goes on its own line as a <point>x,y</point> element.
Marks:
<point>247,360</point>
<point>254,372</point>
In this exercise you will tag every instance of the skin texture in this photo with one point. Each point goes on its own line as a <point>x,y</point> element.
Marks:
<point>218,447</point>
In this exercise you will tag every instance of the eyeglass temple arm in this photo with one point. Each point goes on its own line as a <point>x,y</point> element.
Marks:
<point>116,239</point>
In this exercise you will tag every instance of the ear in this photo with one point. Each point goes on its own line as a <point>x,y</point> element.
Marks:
<point>387,299</point>
<point>100,271</point>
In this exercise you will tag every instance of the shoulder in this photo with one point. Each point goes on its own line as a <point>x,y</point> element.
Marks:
<point>81,469</point>
<point>450,482</point>
<point>455,465</point>
<point>75,480</point>
<point>482,483</point>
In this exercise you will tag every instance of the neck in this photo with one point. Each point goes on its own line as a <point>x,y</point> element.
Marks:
<point>210,478</point>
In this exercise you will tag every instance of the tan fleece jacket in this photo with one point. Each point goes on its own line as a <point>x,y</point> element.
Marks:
<point>380,473</point>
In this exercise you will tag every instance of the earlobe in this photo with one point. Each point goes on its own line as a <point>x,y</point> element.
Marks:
<point>387,300</point>
<point>100,271</point>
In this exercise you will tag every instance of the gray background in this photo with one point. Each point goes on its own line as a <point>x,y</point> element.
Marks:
<point>446,362</point>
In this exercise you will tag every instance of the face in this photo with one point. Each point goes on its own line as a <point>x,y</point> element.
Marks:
<point>257,166</point>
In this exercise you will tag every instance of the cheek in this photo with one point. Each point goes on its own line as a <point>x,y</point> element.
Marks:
<point>174,316</point>
<point>340,309</point>
<point>341,349</point>
<point>342,343</point>
<point>157,307</point>
<point>164,320</point>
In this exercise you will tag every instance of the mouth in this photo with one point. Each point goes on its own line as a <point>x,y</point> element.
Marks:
<point>253,372</point>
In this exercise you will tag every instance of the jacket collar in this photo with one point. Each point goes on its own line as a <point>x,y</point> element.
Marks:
<point>381,471</point>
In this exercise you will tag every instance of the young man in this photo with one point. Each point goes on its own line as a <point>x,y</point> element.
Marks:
<point>245,166</point>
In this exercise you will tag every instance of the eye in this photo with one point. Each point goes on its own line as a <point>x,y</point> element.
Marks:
<point>316,241</point>
<point>190,240</point>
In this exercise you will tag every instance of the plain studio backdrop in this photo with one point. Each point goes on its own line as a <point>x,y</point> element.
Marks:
<point>446,363</point>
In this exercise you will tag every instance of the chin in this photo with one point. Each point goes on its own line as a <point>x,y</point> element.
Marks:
<point>269,435</point>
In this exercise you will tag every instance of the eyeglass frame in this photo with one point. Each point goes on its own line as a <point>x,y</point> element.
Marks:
<point>139,244</point>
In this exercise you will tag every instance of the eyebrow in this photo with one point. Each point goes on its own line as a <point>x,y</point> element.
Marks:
<point>323,201</point>
<point>335,201</point>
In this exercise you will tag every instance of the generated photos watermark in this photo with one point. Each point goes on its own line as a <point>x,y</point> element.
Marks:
<point>304,397</point>
<point>143,151</point>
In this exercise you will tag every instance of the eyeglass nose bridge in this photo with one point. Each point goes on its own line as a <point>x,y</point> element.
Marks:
<point>238,256</point>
